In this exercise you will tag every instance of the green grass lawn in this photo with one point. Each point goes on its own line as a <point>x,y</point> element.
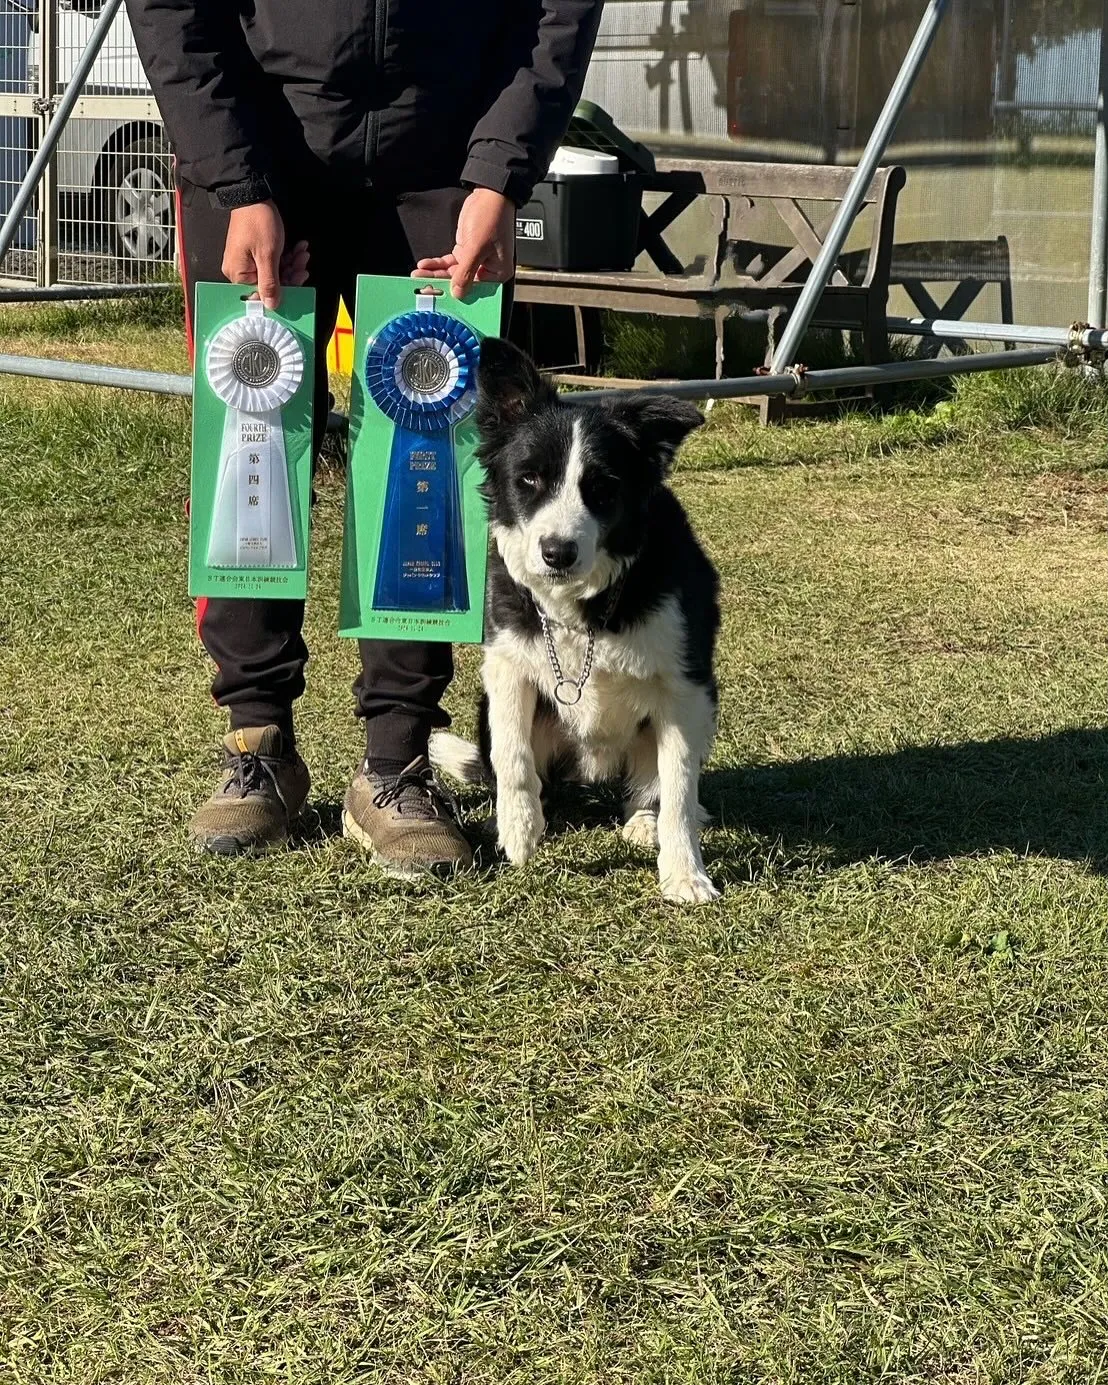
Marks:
<point>284,1120</point>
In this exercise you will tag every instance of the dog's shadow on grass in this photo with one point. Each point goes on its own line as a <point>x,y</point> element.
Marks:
<point>1039,795</point>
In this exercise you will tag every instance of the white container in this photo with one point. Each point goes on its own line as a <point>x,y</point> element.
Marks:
<point>583,163</point>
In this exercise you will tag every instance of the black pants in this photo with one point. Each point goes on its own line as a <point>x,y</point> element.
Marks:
<point>258,646</point>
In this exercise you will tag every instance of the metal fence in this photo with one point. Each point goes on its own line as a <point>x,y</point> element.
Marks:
<point>103,211</point>
<point>73,93</point>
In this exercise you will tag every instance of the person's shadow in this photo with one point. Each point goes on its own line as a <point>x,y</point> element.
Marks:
<point>1038,795</point>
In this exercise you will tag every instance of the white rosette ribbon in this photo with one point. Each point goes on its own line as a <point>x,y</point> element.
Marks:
<point>254,365</point>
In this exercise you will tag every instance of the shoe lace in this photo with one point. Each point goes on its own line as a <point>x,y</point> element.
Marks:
<point>417,794</point>
<point>249,774</point>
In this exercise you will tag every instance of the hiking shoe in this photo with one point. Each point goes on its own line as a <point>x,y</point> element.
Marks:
<point>407,822</point>
<point>259,797</point>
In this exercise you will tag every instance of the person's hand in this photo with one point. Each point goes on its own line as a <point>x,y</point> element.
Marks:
<point>255,252</point>
<point>484,244</point>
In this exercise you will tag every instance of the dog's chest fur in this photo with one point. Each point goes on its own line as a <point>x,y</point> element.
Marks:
<point>635,674</point>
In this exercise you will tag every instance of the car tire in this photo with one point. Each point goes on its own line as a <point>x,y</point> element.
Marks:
<point>136,193</point>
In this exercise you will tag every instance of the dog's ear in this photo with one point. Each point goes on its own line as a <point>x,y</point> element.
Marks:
<point>660,424</point>
<point>508,386</point>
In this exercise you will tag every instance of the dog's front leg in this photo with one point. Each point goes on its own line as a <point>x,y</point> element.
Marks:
<point>684,735</point>
<point>512,701</point>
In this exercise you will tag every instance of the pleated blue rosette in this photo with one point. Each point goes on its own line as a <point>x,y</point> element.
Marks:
<point>420,371</point>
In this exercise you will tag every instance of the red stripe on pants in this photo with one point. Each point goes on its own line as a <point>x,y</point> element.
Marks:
<point>201,601</point>
<point>181,262</point>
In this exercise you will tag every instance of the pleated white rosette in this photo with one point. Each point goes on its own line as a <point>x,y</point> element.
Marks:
<point>255,366</point>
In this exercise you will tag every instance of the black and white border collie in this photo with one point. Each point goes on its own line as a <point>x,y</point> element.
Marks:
<point>601,616</point>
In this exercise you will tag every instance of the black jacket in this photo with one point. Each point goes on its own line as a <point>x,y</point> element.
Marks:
<point>408,94</point>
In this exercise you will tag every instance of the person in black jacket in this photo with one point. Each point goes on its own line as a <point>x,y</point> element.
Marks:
<point>316,141</point>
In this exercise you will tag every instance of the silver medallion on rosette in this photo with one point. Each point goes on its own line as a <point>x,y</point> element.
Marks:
<point>254,366</point>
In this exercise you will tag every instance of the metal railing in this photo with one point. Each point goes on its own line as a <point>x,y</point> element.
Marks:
<point>64,98</point>
<point>792,382</point>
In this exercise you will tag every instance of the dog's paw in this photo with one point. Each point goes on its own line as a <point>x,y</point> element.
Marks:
<point>519,826</point>
<point>641,829</point>
<point>688,887</point>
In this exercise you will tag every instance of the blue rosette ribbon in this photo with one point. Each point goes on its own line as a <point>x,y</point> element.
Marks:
<point>420,371</point>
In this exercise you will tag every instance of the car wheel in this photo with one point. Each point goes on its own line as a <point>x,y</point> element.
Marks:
<point>138,201</point>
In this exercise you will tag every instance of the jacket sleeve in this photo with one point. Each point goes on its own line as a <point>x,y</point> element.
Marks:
<point>515,140</point>
<point>202,74</point>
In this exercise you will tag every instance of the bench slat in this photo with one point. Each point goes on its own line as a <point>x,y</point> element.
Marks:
<point>814,182</point>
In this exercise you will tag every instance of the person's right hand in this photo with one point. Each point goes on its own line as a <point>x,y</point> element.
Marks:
<point>255,253</point>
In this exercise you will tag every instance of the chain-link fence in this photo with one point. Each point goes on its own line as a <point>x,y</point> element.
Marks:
<point>103,213</point>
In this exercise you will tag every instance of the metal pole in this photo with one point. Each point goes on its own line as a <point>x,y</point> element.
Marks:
<point>115,377</point>
<point>792,382</point>
<point>899,371</point>
<point>48,187</point>
<point>814,381</point>
<point>1098,253</point>
<point>942,329</point>
<point>67,101</point>
<point>740,387</point>
<point>80,373</point>
<point>824,267</point>
<point>80,293</point>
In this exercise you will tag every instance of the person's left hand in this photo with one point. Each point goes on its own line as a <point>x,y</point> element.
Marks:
<point>484,244</point>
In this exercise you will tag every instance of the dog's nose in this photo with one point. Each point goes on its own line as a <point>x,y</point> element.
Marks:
<point>558,553</point>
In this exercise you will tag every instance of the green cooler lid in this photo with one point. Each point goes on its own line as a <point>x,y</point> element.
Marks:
<point>593,128</point>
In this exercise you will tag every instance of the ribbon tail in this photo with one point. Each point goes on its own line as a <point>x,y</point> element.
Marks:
<point>223,536</point>
<point>252,523</point>
<point>418,547</point>
<point>282,536</point>
<point>386,595</point>
<point>457,586</point>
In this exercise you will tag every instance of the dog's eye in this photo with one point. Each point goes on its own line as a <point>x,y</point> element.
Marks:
<point>531,479</point>
<point>603,489</point>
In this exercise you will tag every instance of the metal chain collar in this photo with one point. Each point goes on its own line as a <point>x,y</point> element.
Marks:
<point>569,691</point>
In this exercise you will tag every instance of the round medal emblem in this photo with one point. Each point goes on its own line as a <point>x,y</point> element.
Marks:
<point>425,370</point>
<point>256,363</point>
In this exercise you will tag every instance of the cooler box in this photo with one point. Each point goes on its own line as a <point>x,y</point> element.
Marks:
<point>584,215</point>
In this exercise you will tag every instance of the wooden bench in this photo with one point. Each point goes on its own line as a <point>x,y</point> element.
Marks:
<point>971,266</point>
<point>737,275</point>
